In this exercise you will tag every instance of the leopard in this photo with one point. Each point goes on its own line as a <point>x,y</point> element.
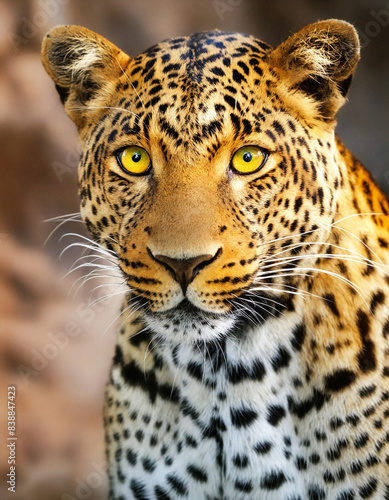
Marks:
<point>252,352</point>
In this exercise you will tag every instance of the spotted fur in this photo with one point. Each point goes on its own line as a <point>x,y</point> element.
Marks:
<point>252,361</point>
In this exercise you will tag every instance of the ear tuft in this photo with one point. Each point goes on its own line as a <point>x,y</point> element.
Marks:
<point>82,64</point>
<point>320,61</point>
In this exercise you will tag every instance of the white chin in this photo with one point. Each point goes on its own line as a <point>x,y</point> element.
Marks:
<point>188,324</point>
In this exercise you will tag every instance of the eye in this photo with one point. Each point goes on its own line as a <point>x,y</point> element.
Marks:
<point>248,159</point>
<point>134,160</point>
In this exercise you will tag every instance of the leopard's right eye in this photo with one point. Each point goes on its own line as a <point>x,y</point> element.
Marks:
<point>134,160</point>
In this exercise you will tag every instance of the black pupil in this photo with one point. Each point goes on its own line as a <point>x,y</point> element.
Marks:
<point>136,157</point>
<point>247,157</point>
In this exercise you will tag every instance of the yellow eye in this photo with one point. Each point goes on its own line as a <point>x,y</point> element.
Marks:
<point>134,160</point>
<point>248,159</point>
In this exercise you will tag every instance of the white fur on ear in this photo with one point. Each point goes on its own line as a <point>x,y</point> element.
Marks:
<point>319,60</point>
<point>81,57</point>
<point>84,66</point>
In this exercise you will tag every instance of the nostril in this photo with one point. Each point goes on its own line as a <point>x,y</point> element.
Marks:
<point>185,270</point>
<point>205,263</point>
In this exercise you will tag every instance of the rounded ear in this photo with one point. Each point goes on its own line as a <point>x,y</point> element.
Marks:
<point>320,61</point>
<point>84,67</point>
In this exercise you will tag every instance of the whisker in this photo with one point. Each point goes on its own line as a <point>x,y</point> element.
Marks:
<point>103,107</point>
<point>64,219</point>
<point>130,82</point>
<point>104,298</point>
<point>323,271</point>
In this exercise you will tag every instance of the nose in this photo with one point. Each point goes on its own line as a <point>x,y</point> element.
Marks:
<point>185,270</point>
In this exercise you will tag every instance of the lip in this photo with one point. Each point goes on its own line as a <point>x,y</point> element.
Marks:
<point>186,309</point>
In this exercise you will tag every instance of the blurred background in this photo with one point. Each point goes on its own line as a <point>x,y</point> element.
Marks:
<point>56,346</point>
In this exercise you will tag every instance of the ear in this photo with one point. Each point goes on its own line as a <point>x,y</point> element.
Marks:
<point>319,61</point>
<point>85,68</point>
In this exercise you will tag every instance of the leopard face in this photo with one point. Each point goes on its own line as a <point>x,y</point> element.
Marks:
<point>201,233</point>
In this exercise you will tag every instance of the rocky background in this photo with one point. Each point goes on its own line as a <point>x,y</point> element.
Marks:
<point>56,347</point>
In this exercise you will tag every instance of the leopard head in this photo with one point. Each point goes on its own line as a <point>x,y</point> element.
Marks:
<point>209,164</point>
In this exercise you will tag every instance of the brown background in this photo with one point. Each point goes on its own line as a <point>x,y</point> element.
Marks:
<point>54,350</point>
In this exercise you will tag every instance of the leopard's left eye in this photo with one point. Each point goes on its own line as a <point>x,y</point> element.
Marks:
<point>248,159</point>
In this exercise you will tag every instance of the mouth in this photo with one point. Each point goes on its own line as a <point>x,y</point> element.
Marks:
<point>187,322</point>
<point>186,311</point>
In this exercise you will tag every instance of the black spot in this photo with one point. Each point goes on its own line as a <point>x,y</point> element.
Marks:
<point>316,493</point>
<point>160,494</point>
<point>275,414</point>
<point>136,377</point>
<point>367,391</point>
<point>236,123</point>
<point>372,460</point>
<point>118,357</point>
<point>385,329</point>
<point>243,416</point>
<point>215,426</point>
<point>278,127</point>
<point>230,100</point>
<point>281,360</point>
<point>334,453</point>
<point>149,465</point>
<point>139,434</point>
<point>177,484</point>
<point>320,435</point>
<point>244,486</point>
<point>366,358</point>
<point>217,71</point>
<point>131,457</point>
<point>331,303</point>
<point>301,463</point>
<point>377,299</point>
<point>188,410</point>
<point>328,477</point>
<point>195,370</point>
<point>112,135</point>
<point>353,419</point>
<point>303,407</point>
<point>297,204</point>
<point>339,380</point>
<point>263,447</point>
<point>238,77</point>
<point>336,423</point>
<point>361,440</point>
<point>139,490</point>
<point>197,473</point>
<point>240,461</point>
<point>240,372</point>
<point>273,480</point>
<point>190,441</point>
<point>298,336</point>
<point>368,489</point>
